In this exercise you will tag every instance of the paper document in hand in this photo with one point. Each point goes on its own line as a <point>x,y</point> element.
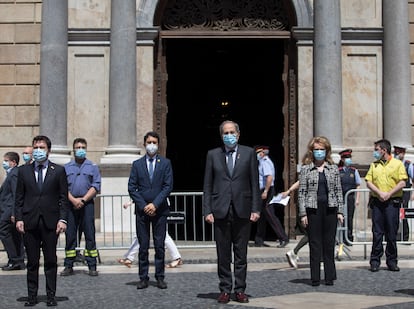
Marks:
<point>278,199</point>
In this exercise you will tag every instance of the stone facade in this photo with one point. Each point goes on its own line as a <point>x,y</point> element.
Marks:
<point>88,85</point>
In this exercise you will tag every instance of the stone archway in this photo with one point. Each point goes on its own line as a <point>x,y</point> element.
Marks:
<point>247,21</point>
<point>251,19</point>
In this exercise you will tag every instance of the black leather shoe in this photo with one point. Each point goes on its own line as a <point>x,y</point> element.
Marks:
<point>51,301</point>
<point>316,283</point>
<point>161,284</point>
<point>283,243</point>
<point>142,284</point>
<point>31,301</point>
<point>393,268</point>
<point>374,268</point>
<point>12,267</point>
<point>328,282</point>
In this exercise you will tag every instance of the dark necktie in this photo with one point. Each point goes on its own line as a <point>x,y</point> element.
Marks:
<point>40,176</point>
<point>151,167</point>
<point>230,161</point>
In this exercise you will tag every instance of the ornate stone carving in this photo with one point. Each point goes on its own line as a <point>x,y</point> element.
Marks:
<point>225,15</point>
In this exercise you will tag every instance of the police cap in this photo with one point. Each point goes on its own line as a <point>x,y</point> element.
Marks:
<point>347,153</point>
<point>399,149</point>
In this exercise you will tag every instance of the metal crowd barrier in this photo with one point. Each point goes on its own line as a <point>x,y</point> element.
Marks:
<point>115,226</point>
<point>362,225</point>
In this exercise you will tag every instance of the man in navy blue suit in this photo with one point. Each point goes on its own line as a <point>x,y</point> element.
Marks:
<point>231,201</point>
<point>149,185</point>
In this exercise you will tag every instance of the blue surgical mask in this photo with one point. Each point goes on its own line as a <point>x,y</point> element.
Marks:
<point>6,165</point>
<point>319,154</point>
<point>26,157</point>
<point>230,140</point>
<point>258,157</point>
<point>39,155</point>
<point>348,161</point>
<point>80,153</point>
<point>377,155</point>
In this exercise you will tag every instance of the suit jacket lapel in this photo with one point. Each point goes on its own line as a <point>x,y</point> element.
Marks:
<point>144,166</point>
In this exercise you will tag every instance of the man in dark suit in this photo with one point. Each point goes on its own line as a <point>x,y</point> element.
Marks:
<point>150,183</point>
<point>41,214</point>
<point>11,238</point>
<point>231,201</point>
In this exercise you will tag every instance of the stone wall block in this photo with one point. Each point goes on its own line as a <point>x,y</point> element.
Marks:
<point>12,136</point>
<point>19,54</point>
<point>89,14</point>
<point>7,116</point>
<point>7,74</point>
<point>28,33</point>
<point>17,13</point>
<point>411,11</point>
<point>27,74</point>
<point>27,116</point>
<point>38,13</point>
<point>19,95</point>
<point>7,33</point>
<point>361,13</point>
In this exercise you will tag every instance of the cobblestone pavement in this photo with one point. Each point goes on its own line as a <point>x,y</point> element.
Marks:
<point>271,283</point>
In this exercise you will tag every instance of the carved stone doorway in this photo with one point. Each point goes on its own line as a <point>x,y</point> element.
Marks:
<point>229,63</point>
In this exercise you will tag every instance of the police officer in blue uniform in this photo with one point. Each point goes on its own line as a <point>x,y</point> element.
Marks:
<point>350,179</point>
<point>267,178</point>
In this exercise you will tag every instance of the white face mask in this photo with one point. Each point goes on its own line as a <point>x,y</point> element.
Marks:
<point>151,149</point>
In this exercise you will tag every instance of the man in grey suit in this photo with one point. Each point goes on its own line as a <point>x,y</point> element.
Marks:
<point>231,201</point>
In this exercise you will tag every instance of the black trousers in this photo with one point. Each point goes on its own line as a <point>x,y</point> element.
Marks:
<point>41,237</point>
<point>159,230</point>
<point>12,241</point>
<point>322,231</point>
<point>232,233</point>
<point>350,216</point>
<point>385,221</point>
<point>269,217</point>
<point>81,220</point>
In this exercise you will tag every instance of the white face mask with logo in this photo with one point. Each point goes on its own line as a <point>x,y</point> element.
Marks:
<point>151,149</point>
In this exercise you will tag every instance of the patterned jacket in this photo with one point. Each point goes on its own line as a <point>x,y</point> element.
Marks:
<point>308,187</point>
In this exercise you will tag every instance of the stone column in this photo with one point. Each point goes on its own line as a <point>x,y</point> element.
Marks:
<point>53,77</point>
<point>396,73</point>
<point>122,84</point>
<point>327,72</point>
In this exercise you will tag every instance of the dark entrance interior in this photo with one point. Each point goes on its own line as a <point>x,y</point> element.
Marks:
<point>211,80</point>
